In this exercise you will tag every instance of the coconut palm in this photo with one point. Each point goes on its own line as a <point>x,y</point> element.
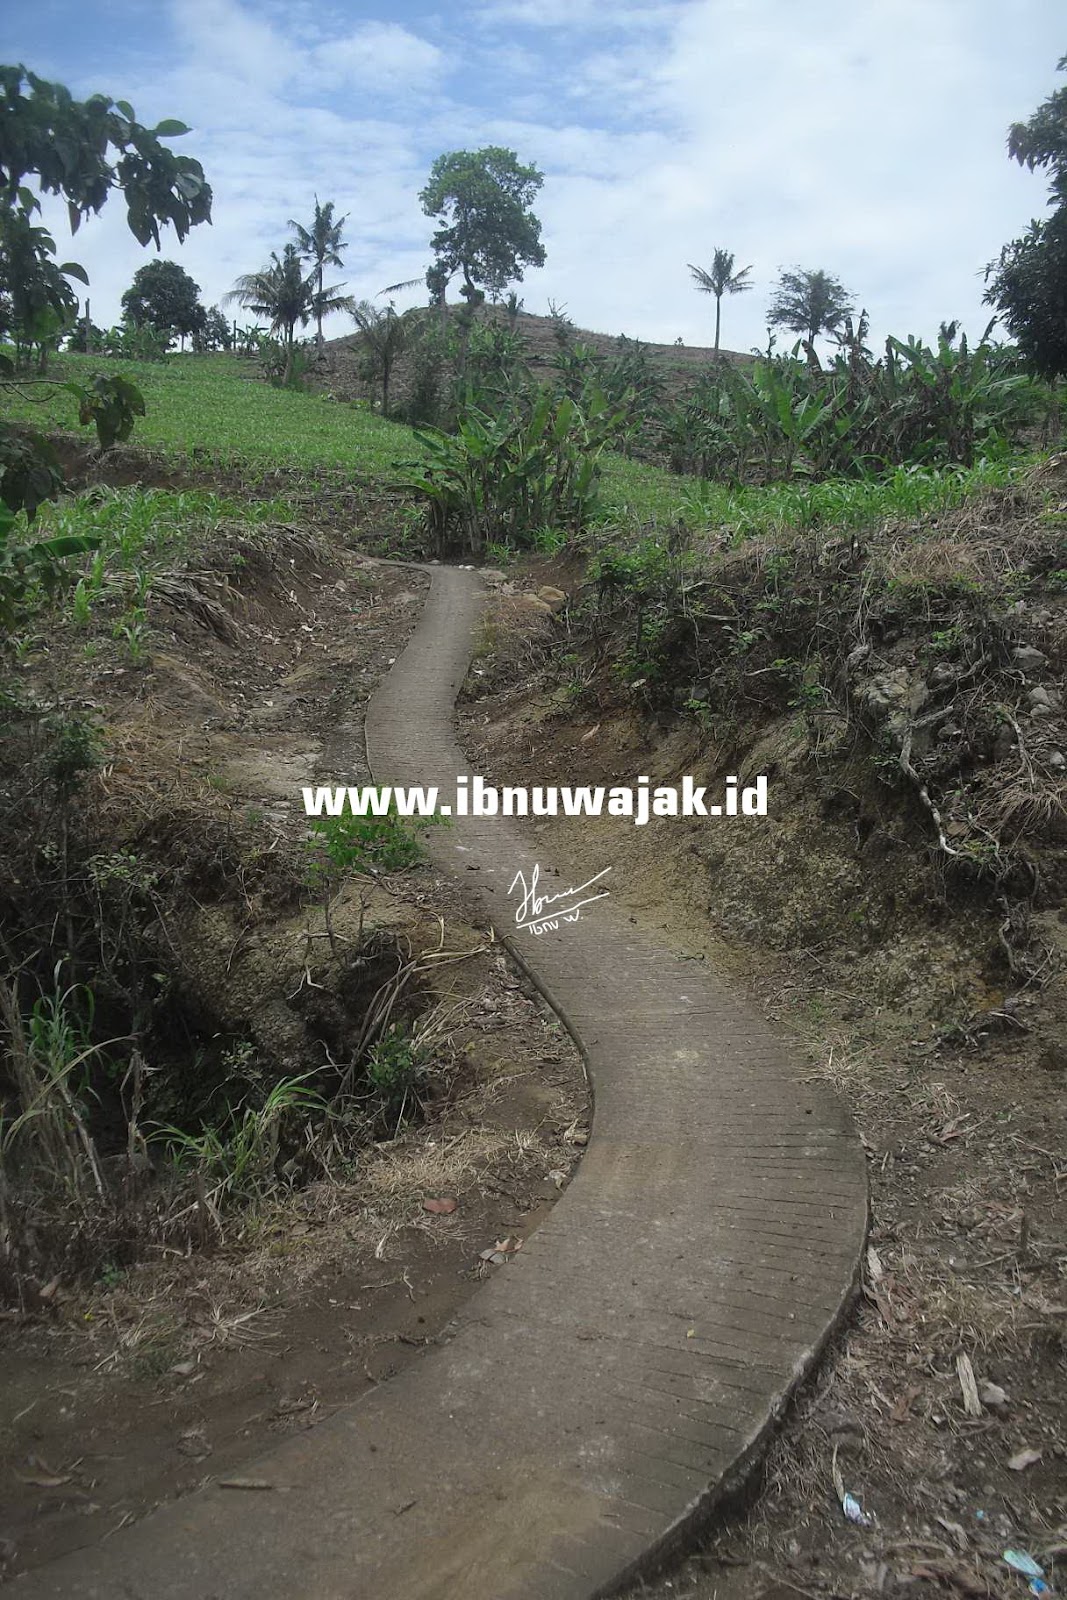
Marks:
<point>809,303</point>
<point>322,244</point>
<point>722,279</point>
<point>281,292</point>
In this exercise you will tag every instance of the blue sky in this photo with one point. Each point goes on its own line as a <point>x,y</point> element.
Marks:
<point>865,138</point>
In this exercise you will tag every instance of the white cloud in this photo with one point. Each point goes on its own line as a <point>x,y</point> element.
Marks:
<point>867,140</point>
<point>379,55</point>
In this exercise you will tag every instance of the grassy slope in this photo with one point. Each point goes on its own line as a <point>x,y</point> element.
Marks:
<point>216,405</point>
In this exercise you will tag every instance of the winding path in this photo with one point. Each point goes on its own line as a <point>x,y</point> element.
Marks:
<point>603,1389</point>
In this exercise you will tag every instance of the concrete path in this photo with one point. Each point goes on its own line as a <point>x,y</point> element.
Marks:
<point>601,1391</point>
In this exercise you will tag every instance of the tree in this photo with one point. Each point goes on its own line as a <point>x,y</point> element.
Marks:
<point>81,151</point>
<point>281,292</point>
<point>384,336</point>
<point>215,332</point>
<point>1027,284</point>
<point>487,231</point>
<point>322,244</point>
<point>722,279</point>
<point>163,296</point>
<point>809,303</point>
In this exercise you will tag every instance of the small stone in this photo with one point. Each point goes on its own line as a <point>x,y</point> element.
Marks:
<point>1039,696</point>
<point>1056,760</point>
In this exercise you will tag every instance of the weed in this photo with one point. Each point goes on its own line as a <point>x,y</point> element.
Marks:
<point>350,843</point>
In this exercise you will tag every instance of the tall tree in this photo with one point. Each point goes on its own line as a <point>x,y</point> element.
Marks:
<point>809,303</point>
<point>163,296</point>
<point>482,199</point>
<point>1028,282</point>
<point>721,279</point>
<point>323,245</point>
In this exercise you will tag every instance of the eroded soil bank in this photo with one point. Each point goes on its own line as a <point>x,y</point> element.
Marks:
<point>942,1034</point>
<point>171,1333</point>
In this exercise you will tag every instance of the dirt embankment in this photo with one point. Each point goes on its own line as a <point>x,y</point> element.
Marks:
<point>930,990</point>
<point>168,1325</point>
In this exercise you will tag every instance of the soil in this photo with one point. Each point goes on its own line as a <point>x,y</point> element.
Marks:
<point>954,1072</point>
<point>130,1384</point>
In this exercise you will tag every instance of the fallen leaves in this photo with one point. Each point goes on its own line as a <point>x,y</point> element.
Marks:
<point>500,1252</point>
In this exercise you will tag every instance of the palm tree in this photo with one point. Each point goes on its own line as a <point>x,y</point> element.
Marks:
<point>722,279</point>
<point>322,244</point>
<point>809,303</point>
<point>281,292</point>
<point>385,336</point>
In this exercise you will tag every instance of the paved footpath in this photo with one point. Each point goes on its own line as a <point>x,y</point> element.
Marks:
<point>597,1395</point>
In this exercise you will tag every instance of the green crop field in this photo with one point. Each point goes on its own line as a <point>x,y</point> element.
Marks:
<point>218,407</point>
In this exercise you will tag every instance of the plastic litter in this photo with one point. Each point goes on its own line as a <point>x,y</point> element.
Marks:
<point>849,1503</point>
<point>1039,1586</point>
<point>1019,1561</point>
<point>854,1511</point>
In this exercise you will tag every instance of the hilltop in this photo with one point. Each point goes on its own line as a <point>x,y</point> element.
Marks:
<point>679,363</point>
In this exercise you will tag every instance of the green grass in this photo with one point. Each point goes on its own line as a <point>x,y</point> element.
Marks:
<point>216,406</point>
<point>635,494</point>
<point>219,405</point>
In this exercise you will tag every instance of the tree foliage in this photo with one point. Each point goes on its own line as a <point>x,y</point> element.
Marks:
<point>722,278</point>
<point>80,151</point>
<point>487,231</point>
<point>384,336</point>
<point>1028,282</point>
<point>163,296</point>
<point>323,244</point>
<point>809,302</point>
<point>281,292</point>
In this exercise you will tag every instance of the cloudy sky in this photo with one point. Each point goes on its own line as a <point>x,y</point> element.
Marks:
<point>862,136</point>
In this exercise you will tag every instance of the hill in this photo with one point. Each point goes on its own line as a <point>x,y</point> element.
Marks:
<point>678,363</point>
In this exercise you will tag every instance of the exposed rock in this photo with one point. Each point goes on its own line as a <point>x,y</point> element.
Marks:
<point>554,599</point>
<point>1029,659</point>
